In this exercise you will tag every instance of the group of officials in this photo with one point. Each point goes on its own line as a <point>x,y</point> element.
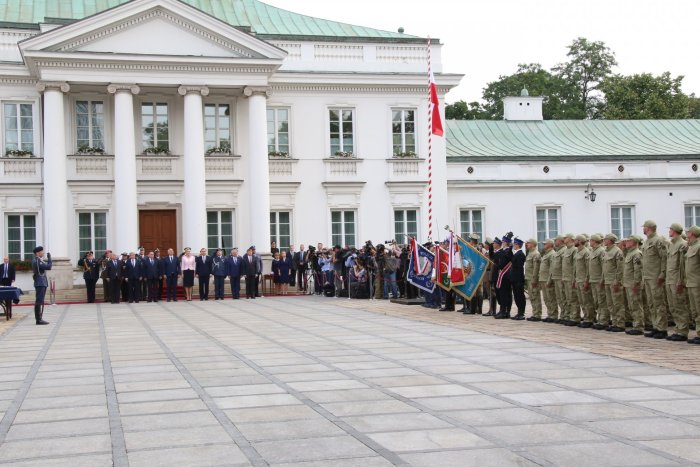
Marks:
<point>636,285</point>
<point>136,277</point>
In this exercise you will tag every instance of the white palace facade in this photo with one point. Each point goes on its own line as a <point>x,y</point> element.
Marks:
<point>174,123</point>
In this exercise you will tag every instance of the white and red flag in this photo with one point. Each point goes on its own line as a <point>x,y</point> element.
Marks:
<point>435,108</point>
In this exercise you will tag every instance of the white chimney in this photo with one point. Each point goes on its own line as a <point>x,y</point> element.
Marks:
<point>523,107</point>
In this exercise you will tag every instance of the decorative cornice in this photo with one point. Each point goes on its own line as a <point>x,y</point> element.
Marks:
<point>62,86</point>
<point>354,88</point>
<point>249,91</point>
<point>167,67</point>
<point>187,89</point>
<point>151,15</point>
<point>17,81</point>
<point>114,88</point>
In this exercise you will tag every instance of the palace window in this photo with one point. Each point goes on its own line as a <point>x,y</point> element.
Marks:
<point>154,125</point>
<point>622,220</point>
<point>278,130</point>
<point>547,224</point>
<point>89,124</point>
<point>21,236</point>
<point>342,132</point>
<point>19,126</point>
<point>343,228</point>
<point>219,231</point>
<point>692,215</point>
<point>217,126</point>
<point>405,225</point>
<point>471,221</point>
<point>281,228</point>
<point>92,232</point>
<point>403,130</point>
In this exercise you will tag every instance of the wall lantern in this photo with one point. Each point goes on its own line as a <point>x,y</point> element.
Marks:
<point>590,194</point>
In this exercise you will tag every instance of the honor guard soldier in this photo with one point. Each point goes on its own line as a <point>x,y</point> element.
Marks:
<point>691,277</point>
<point>496,301</point>
<point>677,297</point>
<point>612,274</point>
<point>654,253</point>
<point>533,265</point>
<point>596,282</point>
<point>41,282</point>
<point>545,283</point>
<point>91,270</point>
<point>517,278</point>
<point>503,285</point>
<point>555,278</point>
<point>572,313</point>
<point>632,281</point>
<point>581,280</point>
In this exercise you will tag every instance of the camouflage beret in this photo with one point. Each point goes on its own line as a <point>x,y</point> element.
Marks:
<point>596,238</point>
<point>676,227</point>
<point>649,223</point>
<point>612,237</point>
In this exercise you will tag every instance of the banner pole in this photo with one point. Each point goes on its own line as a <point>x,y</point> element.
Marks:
<point>430,150</point>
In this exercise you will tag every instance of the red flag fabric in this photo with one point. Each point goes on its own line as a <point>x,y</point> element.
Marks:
<point>435,104</point>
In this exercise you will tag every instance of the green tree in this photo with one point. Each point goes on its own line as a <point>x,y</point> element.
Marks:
<point>589,63</point>
<point>644,96</point>
<point>461,110</point>
<point>693,106</point>
<point>561,100</point>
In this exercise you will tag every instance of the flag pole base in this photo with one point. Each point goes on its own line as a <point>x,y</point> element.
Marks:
<point>407,301</point>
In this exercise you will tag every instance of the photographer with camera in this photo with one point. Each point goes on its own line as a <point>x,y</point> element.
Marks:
<point>379,259</point>
<point>41,282</point>
<point>91,272</point>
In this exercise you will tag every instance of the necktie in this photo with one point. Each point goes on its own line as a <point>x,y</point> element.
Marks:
<point>6,268</point>
<point>133,263</point>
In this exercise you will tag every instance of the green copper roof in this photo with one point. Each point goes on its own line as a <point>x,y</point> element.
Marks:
<point>572,139</point>
<point>263,19</point>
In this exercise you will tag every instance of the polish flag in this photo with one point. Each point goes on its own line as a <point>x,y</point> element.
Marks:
<point>435,107</point>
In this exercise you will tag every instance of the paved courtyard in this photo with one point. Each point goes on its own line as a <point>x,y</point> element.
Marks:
<point>333,382</point>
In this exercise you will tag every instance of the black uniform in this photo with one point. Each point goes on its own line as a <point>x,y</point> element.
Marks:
<point>91,272</point>
<point>505,296</point>
<point>517,280</point>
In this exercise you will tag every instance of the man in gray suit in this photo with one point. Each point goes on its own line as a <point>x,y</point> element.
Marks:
<point>41,282</point>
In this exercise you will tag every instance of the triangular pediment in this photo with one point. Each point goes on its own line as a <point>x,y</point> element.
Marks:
<point>154,28</point>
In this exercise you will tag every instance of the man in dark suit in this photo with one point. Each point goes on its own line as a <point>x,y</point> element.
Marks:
<point>291,254</point>
<point>132,274</point>
<point>171,271</point>
<point>301,265</point>
<point>7,278</point>
<point>143,283</point>
<point>517,278</point>
<point>251,271</point>
<point>150,271</point>
<point>203,272</point>
<point>91,272</point>
<point>114,273</point>
<point>159,287</point>
<point>122,278</point>
<point>259,268</point>
<point>234,270</point>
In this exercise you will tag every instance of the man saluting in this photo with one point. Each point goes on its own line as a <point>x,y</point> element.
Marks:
<point>41,282</point>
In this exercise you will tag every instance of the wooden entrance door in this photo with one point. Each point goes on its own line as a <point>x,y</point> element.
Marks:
<point>158,229</point>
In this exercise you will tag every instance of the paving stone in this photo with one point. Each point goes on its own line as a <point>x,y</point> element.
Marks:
<point>312,449</point>
<point>540,433</point>
<point>58,429</point>
<point>308,386</point>
<point>478,401</point>
<point>647,428</point>
<point>393,422</point>
<point>344,409</point>
<point>143,408</point>
<point>507,416</point>
<point>552,398</point>
<point>91,460</point>
<point>432,391</point>
<point>263,400</point>
<point>403,441</point>
<point>641,394</point>
<point>27,449</point>
<point>591,412</point>
<point>353,462</point>
<point>165,421</point>
<point>477,457</point>
<point>585,455</point>
<point>505,387</point>
<point>294,429</point>
<point>271,414</point>
<point>244,390</point>
<point>175,437</point>
<point>57,414</point>
<point>601,382</point>
<point>157,395</point>
<point>224,454</point>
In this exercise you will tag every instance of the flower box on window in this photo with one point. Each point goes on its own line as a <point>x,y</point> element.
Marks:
<point>85,150</point>
<point>278,155</point>
<point>158,150</point>
<point>18,153</point>
<point>222,150</point>
<point>344,155</point>
<point>22,265</point>
<point>405,155</point>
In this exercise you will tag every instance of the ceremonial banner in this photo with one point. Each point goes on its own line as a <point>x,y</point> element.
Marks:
<point>454,263</point>
<point>420,267</point>
<point>441,269</point>
<point>474,265</point>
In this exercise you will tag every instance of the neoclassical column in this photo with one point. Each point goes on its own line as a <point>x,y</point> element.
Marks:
<point>55,180</point>
<point>258,180</point>
<point>124,198</point>
<point>194,196</point>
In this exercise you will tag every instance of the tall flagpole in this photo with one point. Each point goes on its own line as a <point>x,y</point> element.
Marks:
<point>430,150</point>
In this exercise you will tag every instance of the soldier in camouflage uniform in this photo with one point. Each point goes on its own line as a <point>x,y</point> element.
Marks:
<point>632,281</point>
<point>677,302</point>
<point>555,279</point>
<point>690,272</point>
<point>544,284</point>
<point>581,277</point>
<point>654,253</point>
<point>572,315</point>
<point>532,277</point>
<point>612,274</point>
<point>596,282</point>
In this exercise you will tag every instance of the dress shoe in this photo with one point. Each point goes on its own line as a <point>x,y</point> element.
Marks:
<point>42,322</point>
<point>518,317</point>
<point>490,313</point>
<point>534,318</point>
<point>695,340</point>
<point>634,332</point>
<point>598,326</point>
<point>616,329</point>
<point>661,335</point>
<point>676,338</point>
<point>501,315</point>
<point>548,320</point>
<point>571,323</point>
<point>441,309</point>
<point>467,311</point>
<point>649,333</point>
<point>586,324</point>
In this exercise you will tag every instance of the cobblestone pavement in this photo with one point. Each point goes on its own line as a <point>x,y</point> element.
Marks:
<point>332,382</point>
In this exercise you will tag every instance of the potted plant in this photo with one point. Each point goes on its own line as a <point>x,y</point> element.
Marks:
<point>85,150</point>
<point>222,150</point>
<point>22,265</point>
<point>405,155</point>
<point>278,155</point>
<point>157,150</point>
<point>344,154</point>
<point>18,153</point>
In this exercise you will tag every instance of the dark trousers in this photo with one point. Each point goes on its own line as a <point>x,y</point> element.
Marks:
<point>219,287</point>
<point>301,279</point>
<point>292,277</point>
<point>256,282</point>
<point>39,302</point>
<point>134,290</point>
<point>144,288</point>
<point>505,296</point>
<point>171,287</point>
<point>114,289</point>
<point>90,287</point>
<point>204,287</point>
<point>153,285</point>
<point>519,297</point>
<point>450,298</point>
<point>159,290</point>
<point>236,286</point>
<point>125,290</point>
<point>250,286</point>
